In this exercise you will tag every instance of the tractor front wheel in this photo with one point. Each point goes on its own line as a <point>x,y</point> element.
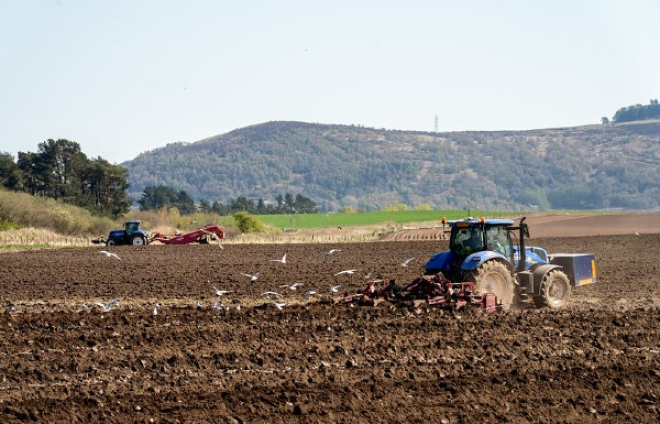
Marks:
<point>138,240</point>
<point>494,277</point>
<point>555,290</point>
<point>110,243</point>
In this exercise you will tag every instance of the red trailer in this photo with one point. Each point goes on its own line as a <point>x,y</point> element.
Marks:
<point>203,236</point>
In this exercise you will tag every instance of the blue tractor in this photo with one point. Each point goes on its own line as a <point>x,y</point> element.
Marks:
<point>132,234</point>
<point>492,253</point>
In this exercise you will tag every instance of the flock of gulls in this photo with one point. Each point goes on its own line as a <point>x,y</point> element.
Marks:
<point>272,296</point>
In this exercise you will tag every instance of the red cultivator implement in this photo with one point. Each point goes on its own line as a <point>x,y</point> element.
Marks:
<point>203,236</point>
<point>432,290</point>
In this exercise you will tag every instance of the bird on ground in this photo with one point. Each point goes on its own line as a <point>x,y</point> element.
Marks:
<point>221,292</point>
<point>283,260</point>
<point>253,277</point>
<point>156,309</point>
<point>84,307</point>
<point>327,254</point>
<point>220,307</point>
<point>308,294</point>
<point>279,306</point>
<point>335,289</point>
<point>406,262</point>
<point>110,254</point>
<point>636,233</point>
<point>238,307</point>
<point>270,293</point>
<point>293,286</point>
<point>107,307</point>
<point>199,306</point>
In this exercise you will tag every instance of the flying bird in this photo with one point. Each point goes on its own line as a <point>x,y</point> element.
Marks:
<point>107,307</point>
<point>327,254</point>
<point>177,232</point>
<point>110,254</point>
<point>293,286</point>
<point>406,262</point>
<point>335,289</point>
<point>283,260</point>
<point>270,293</point>
<point>347,272</point>
<point>253,277</point>
<point>221,292</point>
<point>532,206</point>
<point>279,306</point>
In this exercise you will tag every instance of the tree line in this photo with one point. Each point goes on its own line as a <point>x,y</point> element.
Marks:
<point>60,170</point>
<point>158,197</point>
<point>638,112</point>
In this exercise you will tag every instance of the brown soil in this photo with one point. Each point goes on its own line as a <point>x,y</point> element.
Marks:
<point>597,360</point>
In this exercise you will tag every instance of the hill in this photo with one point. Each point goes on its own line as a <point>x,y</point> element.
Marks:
<point>612,166</point>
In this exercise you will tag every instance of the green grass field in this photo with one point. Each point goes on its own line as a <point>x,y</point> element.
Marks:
<point>314,221</point>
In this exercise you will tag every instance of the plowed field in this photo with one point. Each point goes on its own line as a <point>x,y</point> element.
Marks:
<point>597,360</point>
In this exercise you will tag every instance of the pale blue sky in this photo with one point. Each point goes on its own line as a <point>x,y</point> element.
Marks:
<point>123,77</point>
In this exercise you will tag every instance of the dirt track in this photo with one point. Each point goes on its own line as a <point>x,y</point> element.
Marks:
<point>597,360</point>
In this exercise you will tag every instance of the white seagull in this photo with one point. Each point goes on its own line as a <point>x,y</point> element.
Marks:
<point>406,262</point>
<point>347,272</point>
<point>279,306</point>
<point>308,294</point>
<point>177,232</point>
<point>199,306</point>
<point>221,292</point>
<point>293,286</point>
<point>110,254</point>
<point>335,289</point>
<point>283,260</point>
<point>108,306</point>
<point>156,309</point>
<point>253,277</point>
<point>270,293</point>
<point>327,253</point>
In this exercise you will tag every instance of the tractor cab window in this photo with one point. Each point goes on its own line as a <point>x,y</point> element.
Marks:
<point>497,239</point>
<point>131,227</point>
<point>466,240</point>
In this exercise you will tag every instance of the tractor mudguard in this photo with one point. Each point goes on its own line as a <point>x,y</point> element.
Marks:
<point>474,261</point>
<point>540,272</point>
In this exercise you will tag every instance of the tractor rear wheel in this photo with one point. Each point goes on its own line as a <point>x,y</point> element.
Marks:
<point>138,240</point>
<point>555,290</point>
<point>494,277</point>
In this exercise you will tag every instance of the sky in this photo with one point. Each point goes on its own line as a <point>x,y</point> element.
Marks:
<point>122,77</point>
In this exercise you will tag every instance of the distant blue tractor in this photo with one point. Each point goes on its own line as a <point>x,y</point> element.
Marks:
<point>132,234</point>
<point>492,254</point>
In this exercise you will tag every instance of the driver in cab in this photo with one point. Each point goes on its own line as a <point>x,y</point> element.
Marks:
<point>474,243</point>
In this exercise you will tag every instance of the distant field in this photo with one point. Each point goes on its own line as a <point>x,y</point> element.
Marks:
<point>314,221</point>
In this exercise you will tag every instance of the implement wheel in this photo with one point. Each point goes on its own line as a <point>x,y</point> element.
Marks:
<point>494,277</point>
<point>555,290</point>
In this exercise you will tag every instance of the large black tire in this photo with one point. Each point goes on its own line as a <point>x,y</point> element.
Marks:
<point>138,240</point>
<point>110,243</point>
<point>555,290</point>
<point>494,277</point>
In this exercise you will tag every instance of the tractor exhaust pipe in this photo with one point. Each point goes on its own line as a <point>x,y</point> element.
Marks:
<point>524,232</point>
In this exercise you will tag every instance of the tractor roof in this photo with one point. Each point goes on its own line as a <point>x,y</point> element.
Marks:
<point>471,222</point>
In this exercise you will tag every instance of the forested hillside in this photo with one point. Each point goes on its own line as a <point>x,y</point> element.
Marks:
<point>592,167</point>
